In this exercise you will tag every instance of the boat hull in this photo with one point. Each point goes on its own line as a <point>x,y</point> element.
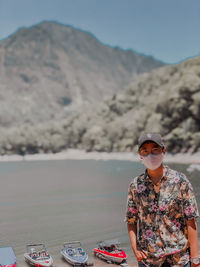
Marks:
<point>37,263</point>
<point>114,257</point>
<point>74,261</point>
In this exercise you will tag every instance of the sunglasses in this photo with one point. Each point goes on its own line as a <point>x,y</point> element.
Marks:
<point>154,151</point>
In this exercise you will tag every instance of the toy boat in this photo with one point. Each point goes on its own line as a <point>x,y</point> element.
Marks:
<point>74,254</point>
<point>109,250</point>
<point>7,257</point>
<point>38,255</point>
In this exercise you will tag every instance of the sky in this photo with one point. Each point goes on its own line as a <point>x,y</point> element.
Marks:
<point>168,30</point>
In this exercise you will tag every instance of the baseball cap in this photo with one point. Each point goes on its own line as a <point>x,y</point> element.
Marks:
<point>154,137</point>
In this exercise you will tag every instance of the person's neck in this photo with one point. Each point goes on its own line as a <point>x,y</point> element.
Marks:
<point>156,175</point>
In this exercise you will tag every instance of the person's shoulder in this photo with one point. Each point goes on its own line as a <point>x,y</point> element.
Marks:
<point>135,180</point>
<point>176,175</point>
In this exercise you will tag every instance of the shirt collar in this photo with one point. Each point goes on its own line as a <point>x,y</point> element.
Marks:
<point>165,174</point>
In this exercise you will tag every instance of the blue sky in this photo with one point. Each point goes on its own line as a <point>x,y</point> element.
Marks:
<point>168,30</point>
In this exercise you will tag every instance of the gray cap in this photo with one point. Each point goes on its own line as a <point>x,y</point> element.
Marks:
<point>152,137</point>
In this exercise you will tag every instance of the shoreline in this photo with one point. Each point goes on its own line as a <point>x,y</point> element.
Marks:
<point>76,154</point>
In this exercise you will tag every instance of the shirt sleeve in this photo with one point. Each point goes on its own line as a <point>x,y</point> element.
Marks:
<point>190,207</point>
<point>131,207</point>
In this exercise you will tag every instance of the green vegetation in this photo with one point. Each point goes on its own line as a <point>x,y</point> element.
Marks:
<point>166,101</point>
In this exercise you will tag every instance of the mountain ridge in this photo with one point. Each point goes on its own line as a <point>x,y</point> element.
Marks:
<point>59,68</point>
<point>91,34</point>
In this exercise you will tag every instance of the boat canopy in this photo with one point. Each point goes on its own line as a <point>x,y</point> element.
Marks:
<point>7,256</point>
<point>38,247</point>
<point>108,243</point>
<point>73,244</point>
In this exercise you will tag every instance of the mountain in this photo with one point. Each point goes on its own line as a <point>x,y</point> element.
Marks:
<point>167,100</point>
<point>50,69</point>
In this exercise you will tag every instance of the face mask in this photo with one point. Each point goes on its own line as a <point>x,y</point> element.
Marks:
<point>152,162</point>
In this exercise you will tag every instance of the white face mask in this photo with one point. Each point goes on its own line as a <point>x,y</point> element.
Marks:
<point>152,162</point>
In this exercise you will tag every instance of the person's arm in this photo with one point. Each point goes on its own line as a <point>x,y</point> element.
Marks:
<point>132,231</point>
<point>193,239</point>
<point>191,212</point>
<point>131,219</point>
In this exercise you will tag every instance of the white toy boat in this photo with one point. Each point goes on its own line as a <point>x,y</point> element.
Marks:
<point>37,255</point>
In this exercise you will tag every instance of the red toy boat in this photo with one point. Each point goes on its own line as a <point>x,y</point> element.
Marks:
<point>109,250</point>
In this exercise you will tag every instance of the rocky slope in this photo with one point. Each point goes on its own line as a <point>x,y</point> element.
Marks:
<point>167,100</point>
<point>49,69</point>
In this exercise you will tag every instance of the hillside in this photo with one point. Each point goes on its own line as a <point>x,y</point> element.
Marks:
<point>49,70</point>
<point>167,100</point>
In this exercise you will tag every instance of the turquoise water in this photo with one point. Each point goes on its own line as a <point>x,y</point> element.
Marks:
<point>65,200</point>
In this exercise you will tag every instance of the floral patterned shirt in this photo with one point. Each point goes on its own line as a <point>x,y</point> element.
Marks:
<point>160,212</point>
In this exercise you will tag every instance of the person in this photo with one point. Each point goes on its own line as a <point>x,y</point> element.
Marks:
<point>161,211</point>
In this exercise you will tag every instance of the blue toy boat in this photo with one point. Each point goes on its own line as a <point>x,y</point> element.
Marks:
<point>74,254</point>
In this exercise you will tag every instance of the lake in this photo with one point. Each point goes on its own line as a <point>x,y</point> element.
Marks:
<point>66,200</point>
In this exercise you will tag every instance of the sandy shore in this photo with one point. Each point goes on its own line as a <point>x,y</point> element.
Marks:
<point>185,158</point>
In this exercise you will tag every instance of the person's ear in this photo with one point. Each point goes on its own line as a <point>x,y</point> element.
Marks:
<point>164,150</point>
